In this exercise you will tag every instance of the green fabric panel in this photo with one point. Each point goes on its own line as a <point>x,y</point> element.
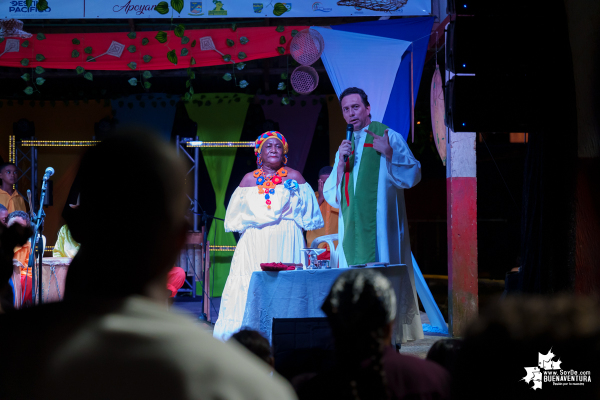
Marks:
<point>360,218</point>
<point>220,117</point>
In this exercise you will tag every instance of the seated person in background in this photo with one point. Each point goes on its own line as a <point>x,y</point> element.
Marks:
<point>10,238</point>
<point>10,197</point>
<point>361,308</point>
<point>3,214</point>
<point>113,337</point>
<point>257,344</point>
<point>22,253</point>
<point>66,246</point>
<point>330,216</point>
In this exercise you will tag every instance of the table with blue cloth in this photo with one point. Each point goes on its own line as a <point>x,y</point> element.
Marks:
<point>300,294</point>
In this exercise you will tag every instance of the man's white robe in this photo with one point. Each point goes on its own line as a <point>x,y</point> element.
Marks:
<point>393,241</point>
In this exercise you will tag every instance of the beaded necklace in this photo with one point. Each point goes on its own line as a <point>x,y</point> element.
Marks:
<point>266,183</point>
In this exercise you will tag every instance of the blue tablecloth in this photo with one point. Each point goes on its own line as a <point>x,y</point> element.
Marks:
<point>300,294</point>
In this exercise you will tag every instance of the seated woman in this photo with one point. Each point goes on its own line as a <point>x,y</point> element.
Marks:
<point>270,209</point>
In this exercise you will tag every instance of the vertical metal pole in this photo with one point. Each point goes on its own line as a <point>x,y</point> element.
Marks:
<point>196,162</point>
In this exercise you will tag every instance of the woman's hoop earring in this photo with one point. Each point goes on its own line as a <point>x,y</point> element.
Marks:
<point>259,161</point>
<point>285,159</point>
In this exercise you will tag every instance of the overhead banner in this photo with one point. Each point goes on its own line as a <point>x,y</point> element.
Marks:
<point>77,9</point>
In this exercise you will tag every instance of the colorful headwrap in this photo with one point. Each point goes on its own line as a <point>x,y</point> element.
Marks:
<point>268,135</point>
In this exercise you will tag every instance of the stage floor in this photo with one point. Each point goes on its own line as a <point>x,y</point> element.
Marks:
<point>187,305</point>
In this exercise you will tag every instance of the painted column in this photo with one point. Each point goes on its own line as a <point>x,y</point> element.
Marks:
<point>461,191</point>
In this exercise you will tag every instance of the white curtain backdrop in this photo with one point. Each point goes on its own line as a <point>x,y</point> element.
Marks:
<point>364,61</point>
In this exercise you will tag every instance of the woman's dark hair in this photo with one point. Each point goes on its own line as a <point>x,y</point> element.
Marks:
<point>254,342</point>
<point>359,307</point>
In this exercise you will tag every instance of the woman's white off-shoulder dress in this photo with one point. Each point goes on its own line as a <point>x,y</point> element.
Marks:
<point>273,235</point>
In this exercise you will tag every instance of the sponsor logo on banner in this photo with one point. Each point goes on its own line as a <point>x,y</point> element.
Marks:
<point>258,7</point>
<point>195,8</point>
<point>549,370</point>
<point>20,6</point>
<point>137,9</point>
<point>318,6</point>
<point>218,10</point>
<point>288,6</point>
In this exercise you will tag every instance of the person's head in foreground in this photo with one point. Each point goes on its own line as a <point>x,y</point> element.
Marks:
<point>130,220</point>
<point>3,214</point>
<point>8,175</point>
<point>355,107</point>
<point>256,343</point>
<point>18,217</point>
<point>522,342</point>
<point>444,352</point>
<point>361,308</point>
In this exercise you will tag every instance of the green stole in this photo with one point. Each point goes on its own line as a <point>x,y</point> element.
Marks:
<point>359,208</point>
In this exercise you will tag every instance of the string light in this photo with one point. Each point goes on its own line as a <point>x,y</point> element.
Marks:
<point>11,149</point>
<point>59,143</point>
<point>222,248</point>
<point>212,248</point>
<point>219,144</point>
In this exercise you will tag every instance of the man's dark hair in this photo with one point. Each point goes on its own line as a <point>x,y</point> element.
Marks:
<point>358,91</point>
<point>255,342</point>
<point>17,214</point>
<point>151,170</point>
<point>4,165</point>
<point>325,171</point>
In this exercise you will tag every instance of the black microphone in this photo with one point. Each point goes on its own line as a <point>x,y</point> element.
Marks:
<point>49,173</point>
<point>349,130</point>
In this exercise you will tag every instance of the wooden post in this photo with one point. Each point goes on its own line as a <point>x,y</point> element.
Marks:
<point>461,189</point>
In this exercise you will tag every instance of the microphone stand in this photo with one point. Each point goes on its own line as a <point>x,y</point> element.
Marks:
<point>205,218</point>
<point>38,222</point>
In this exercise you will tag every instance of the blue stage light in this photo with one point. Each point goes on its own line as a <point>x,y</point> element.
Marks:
<point>464,65</point>
<point>464,5</point>
<point>463,124</point>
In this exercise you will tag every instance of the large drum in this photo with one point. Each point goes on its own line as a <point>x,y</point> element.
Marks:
<point>54,275</point>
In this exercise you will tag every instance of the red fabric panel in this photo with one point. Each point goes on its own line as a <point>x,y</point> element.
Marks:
<point>57,48</point>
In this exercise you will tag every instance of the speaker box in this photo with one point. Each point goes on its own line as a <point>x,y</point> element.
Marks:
<point>489,104</point>
<point>302,345</point>
<point>489,45</point>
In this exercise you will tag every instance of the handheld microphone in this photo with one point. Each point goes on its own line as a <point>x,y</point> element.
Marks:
<point>49,172</point>
<point>349,130</point>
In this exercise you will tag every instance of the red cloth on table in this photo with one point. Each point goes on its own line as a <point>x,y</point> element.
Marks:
<point>175,280</point>
<point>26,289</point>
<point>277,267</point>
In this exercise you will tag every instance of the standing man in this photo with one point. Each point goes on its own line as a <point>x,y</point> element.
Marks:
<point>369,191</point>
<point>10,197</point>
